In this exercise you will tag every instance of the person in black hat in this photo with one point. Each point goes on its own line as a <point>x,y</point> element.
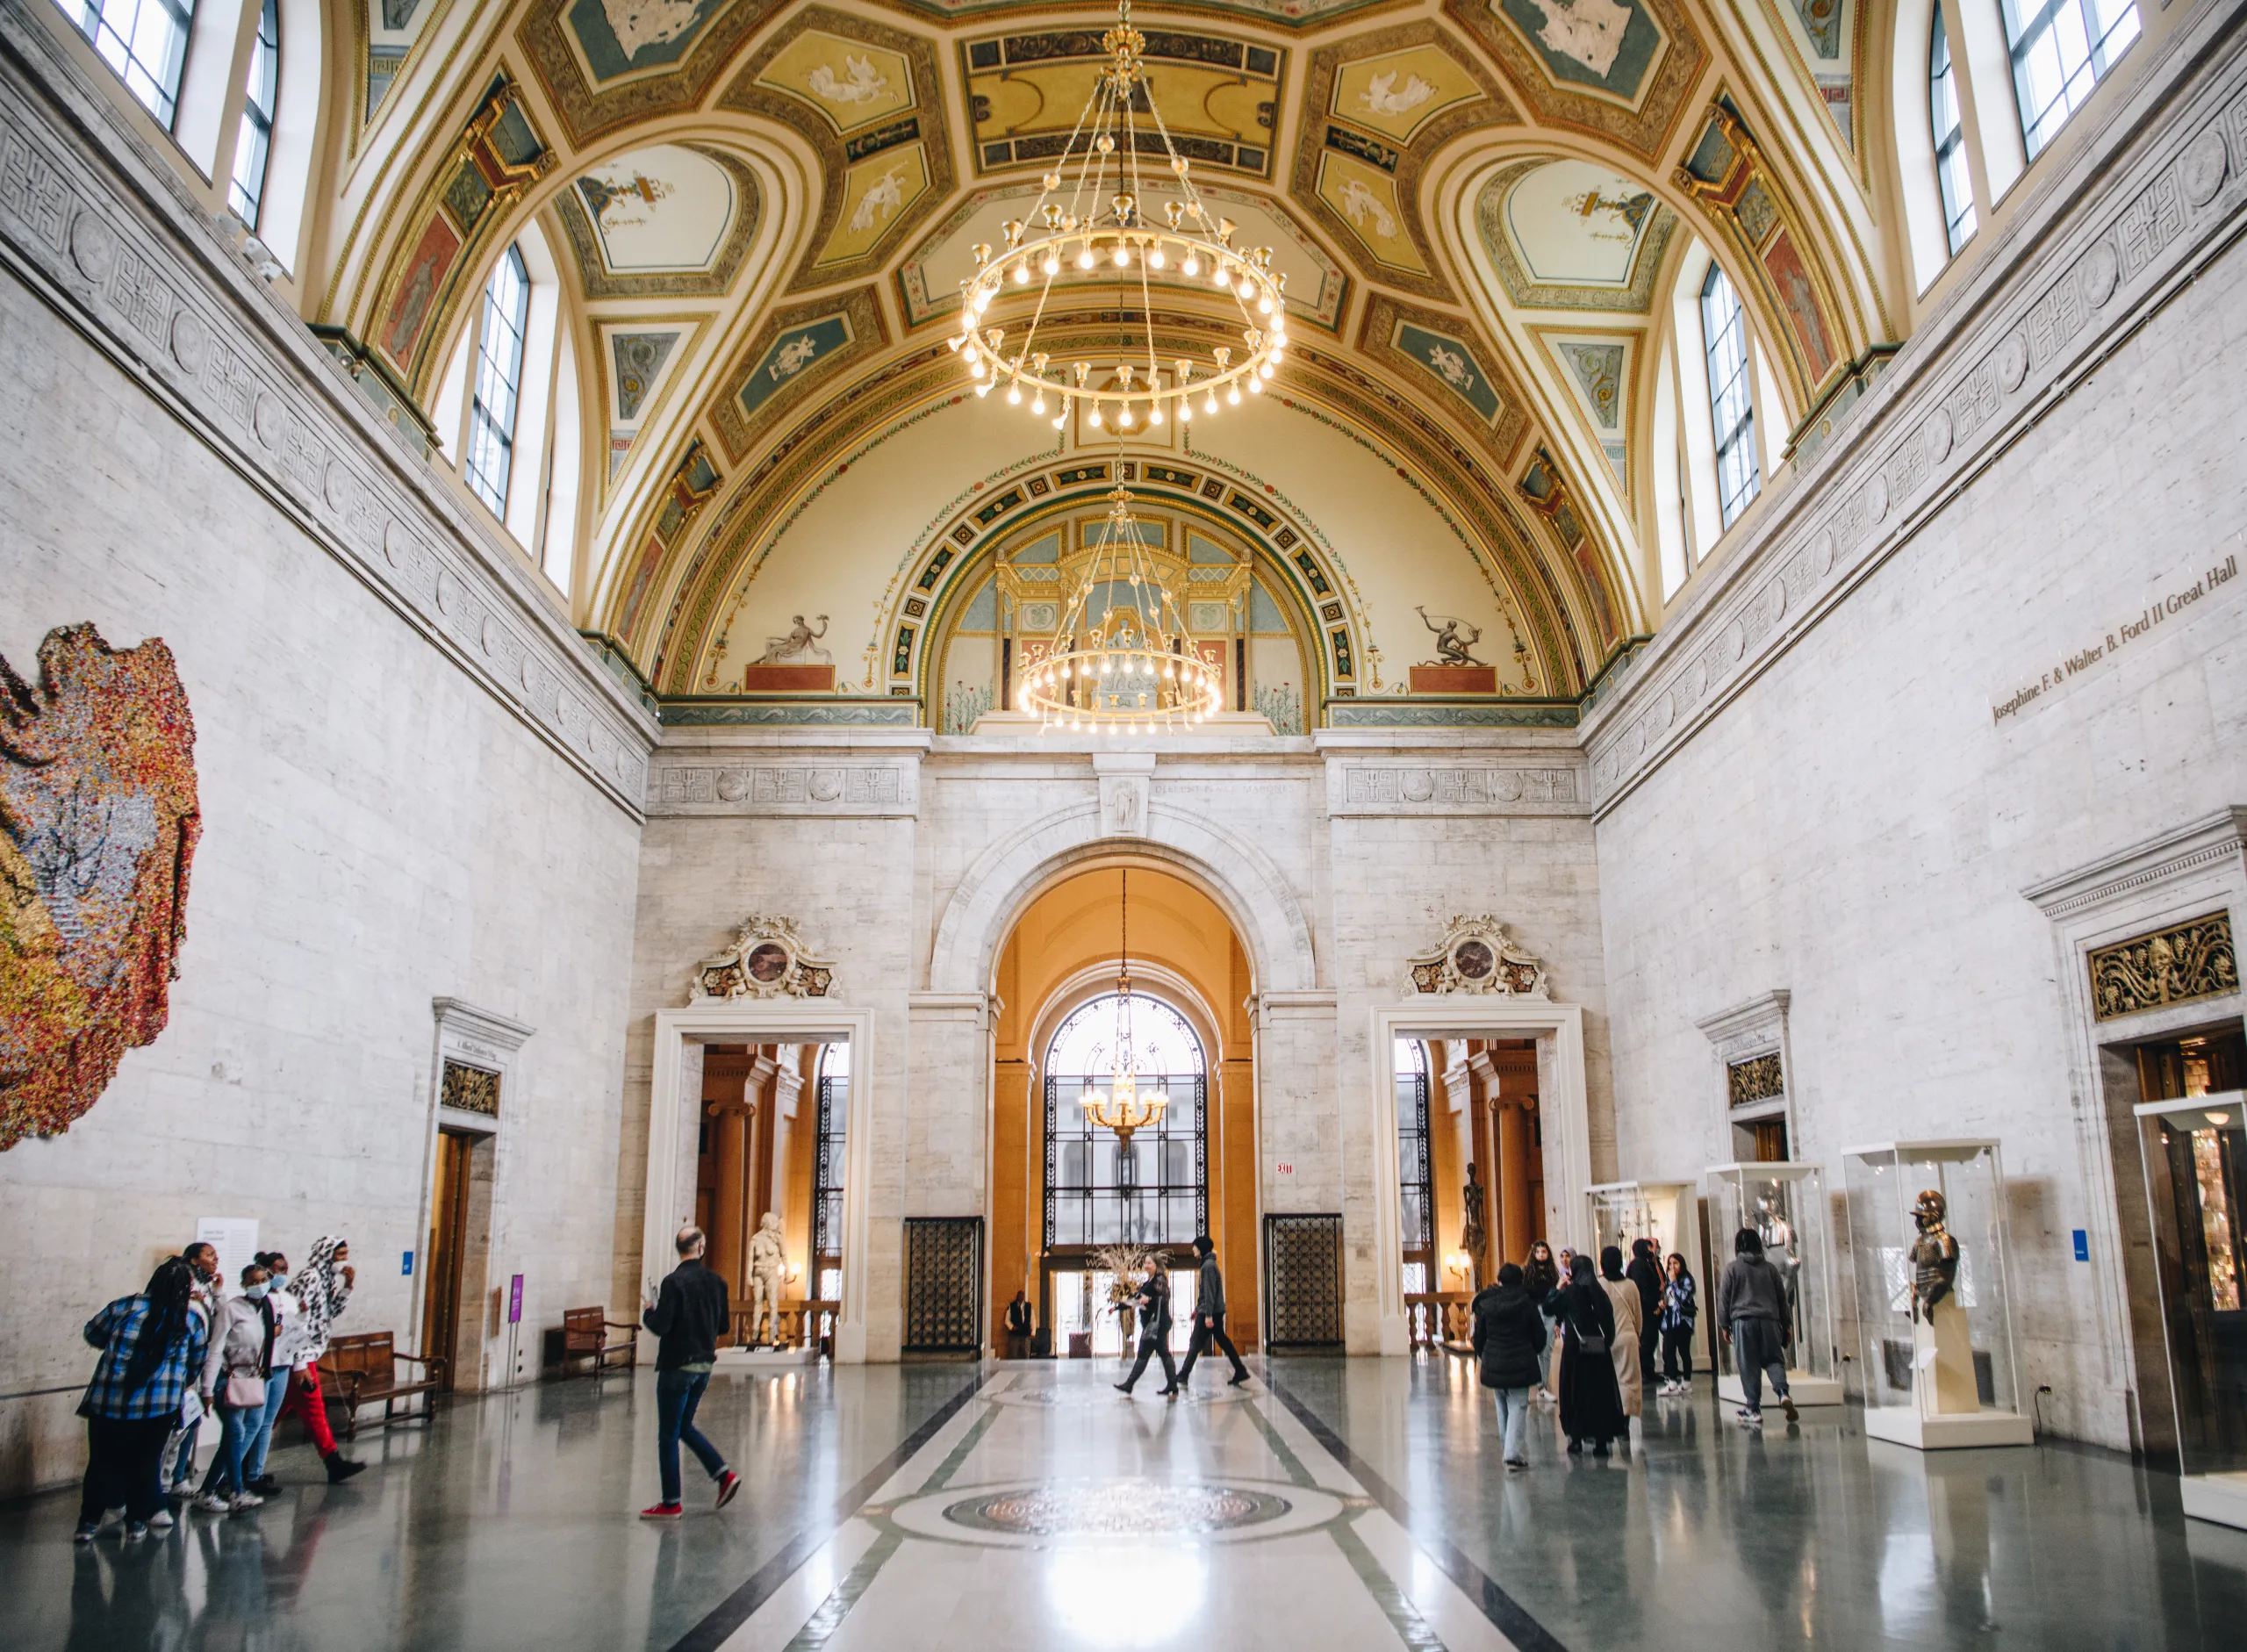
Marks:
<point>1209,1315</point>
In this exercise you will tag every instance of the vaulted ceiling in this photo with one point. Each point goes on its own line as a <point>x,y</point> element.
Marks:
<point>762,212</point>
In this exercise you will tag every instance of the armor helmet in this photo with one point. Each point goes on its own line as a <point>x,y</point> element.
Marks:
<point>1930,1207</point>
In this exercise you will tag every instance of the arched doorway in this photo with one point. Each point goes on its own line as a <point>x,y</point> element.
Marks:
<point>1063,1187</point>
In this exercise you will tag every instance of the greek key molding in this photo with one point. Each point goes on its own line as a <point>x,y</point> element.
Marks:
<point>1962,391</point>
<point>781,789</point>
<point>109,240</point>
<point>1435,790</point>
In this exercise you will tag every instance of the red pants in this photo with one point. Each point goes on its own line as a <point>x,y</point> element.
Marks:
<point>304,1401</point>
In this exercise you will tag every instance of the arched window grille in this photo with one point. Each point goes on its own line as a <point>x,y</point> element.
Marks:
<point>1153,1190</point>
<point>827,1171</point>
<point>1724,334</point>
<point>499,381</point>
<point>1950,139</point>
<point>2061,49</point>
<point>144,40</point>
<point>245,191</point>
<point>1416,1206</point>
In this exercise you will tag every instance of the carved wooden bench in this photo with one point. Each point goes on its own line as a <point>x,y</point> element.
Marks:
<point>362,1370</point>
<point>585,1335</point>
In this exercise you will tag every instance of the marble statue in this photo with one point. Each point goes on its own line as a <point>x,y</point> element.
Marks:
<point>768,1275</point>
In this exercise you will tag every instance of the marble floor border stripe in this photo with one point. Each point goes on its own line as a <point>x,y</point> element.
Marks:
<point>738,1608</point>
<point>1507,1615</point>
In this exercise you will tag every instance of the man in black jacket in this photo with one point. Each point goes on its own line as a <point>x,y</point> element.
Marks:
<point>1209,1315</point>
<point>1153,1304</point>
<point>1645,1272</point>
<point>1509,1335</point>
<point>688,1315</point>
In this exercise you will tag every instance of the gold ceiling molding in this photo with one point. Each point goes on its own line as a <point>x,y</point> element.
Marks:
<point>1544,484</point>
<point>597,281</point>
<point>1375,107</point>
<point>1624,79</point>
<point>885,162</point>
<point>663,61</point>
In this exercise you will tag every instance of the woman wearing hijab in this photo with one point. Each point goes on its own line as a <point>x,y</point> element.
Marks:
<point>1591,1405</point>
<point>234,1383</point>
<point>1540,1276</point>
<point>1630,1318</point>
<point>322,1288</point>
<point>151,1348</point>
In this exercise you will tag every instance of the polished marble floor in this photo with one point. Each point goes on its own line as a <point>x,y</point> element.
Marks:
<point>1343,1503</point>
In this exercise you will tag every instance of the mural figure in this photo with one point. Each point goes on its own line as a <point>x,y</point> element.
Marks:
<point>98,821</point>
<point>886,196</point>
<point>1454,639</point>
<point>768,1276</point>
<point>1381,96</point>
<point>866,81</point>
<point>396,14</point>
<point>641,24</point>
<point>801,643</point>
<point>1589,30</point>
<point>790,358</point>
<point>601,195</point>
<point>1361,202</point>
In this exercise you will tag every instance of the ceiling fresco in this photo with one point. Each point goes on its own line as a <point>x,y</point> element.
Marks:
<point>764,209</point>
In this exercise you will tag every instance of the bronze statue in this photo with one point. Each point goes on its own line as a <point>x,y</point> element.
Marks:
<point>1472,1236</point>
<point>1933,1256</point>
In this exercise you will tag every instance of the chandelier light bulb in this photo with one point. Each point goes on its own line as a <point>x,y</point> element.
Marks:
<point>1014,395</point>
<point>975,368</point>
<point>1185,411</point>
<point>1084,258</point>
<point>1256,387</point>
<point>1122,256</point>
<point>1210,406</point>
<point>1223,281</point>
<point>1022,274</point>
<point>1232,396</point>
<point>1154,412</point>
<point>983,390</point>
<point>1264,371</point>
<point>1037,403</point>
<point>1264,305</point>
<point>1052,264</point>
<point>1124,416</point>
<point>1191,267</point>
<point>1157,259</point>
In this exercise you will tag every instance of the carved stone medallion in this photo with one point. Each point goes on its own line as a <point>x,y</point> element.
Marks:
<point>767,958</point>
<point>1475,956</point>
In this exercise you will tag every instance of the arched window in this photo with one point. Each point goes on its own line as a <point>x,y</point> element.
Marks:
<point>246,193</point>
<point>1153,1190</point>
<point>144,40</point>
<point>1950,139</point>
<point>1416,1203</point>
<point>2061,49</point>
<point>499,381</point>
<point>1732,413</point>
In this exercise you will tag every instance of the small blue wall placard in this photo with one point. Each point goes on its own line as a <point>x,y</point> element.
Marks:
<point>405,1263</point>
<point>2082,1246</point>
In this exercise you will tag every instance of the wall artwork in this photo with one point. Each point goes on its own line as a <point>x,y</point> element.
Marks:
<point>616,38</point>
<point>1608,46</point>
<point>98,821</point>
<point>1565,234</point>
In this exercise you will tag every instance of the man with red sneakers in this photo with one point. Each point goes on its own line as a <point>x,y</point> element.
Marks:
<point>688,1315</point>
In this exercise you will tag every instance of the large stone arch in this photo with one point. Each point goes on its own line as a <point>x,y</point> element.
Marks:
<point>1006,877</point>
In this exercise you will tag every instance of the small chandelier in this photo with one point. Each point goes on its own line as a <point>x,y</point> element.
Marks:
<point>1131,669</point>
<point>1121,1107</point>
<point>1095,228</point>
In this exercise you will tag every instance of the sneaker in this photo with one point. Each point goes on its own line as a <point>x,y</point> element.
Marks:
<point>85,1532</point>
<point>729,1487</point>
<point>1786,1403</point>
<point>1750,1419</point>
<point>1517,1462</point>
<point>663,1512</point>
<point>135,1529</point>
<point>242,1500</point>
<point>161,1520</point>
<point>210,1503</point>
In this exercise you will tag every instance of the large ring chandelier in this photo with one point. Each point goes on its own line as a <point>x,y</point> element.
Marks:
<point>1130,668</point>
<point>1099,228</point>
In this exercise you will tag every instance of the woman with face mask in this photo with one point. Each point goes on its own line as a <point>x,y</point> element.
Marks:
<point>277,1305</point>
<point>233,1384</point>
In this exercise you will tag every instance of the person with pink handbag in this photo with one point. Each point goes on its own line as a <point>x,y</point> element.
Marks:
<point>233,1379</point>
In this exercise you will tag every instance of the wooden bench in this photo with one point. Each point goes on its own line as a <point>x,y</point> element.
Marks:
<point>362,1370</point>
<point>585,1336</point>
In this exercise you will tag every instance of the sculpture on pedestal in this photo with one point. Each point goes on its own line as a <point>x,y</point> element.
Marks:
<point>1472,1235</point>
<point>1933,1255</point>
<point>1942,1342</point>
<point>768,1275</point>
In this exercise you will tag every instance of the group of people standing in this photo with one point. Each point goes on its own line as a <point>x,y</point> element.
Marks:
<point>182,1349</point>
<point>1606,1326</point>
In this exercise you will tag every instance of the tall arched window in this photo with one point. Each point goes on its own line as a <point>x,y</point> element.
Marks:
<point>2061,49</point>
<point>1415,1202</point>
<point>499,381</point>
<point>1732,412</point>
<point>1153,1190</point>
<point>144,40</point>
<point>1950,139</point>
<point>246,192</point>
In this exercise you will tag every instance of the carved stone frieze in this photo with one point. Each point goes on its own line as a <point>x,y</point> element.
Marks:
<point>766,959</point>
<point>171,306</point>
<point>1462,789</point>
<point>1959,394</point>
<point>742,787</point>
<point>1477,956</point>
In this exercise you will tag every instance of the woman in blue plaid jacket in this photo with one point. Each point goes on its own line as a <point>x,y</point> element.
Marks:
<point>151,1348</point>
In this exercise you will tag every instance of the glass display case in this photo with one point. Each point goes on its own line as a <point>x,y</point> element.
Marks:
<point>2195,1153</point>
<point>1926,1238</point>
<point>1786,1204</point>
<point>1667,1213</point>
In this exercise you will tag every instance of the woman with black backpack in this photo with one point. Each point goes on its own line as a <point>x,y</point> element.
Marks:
<point>1592,1403</point>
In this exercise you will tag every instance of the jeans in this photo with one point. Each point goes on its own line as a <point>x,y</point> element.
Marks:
<point>677,1394</point>
<point>1513,1422</point>
<point>238,1426</point>
<point>261,1441</point>
<point>1677,1353</point>
<point>179,1453</point>
<point>122,1460</point>
<point>1756,1348</point>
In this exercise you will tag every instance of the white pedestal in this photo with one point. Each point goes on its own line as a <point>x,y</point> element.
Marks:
<point>2220,1497</point>
<point>1808,1391</point>
<point>1947,1431</point>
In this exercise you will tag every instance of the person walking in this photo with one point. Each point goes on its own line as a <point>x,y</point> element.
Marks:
<point>1509,1336</point>
<point>275,1306</point>
<point>1645,1272</point>
<point>1540,1277</point>
<point>1591,1402</point>
<point>1629,1316</point>
<point>177,1470</point>
<point>1680,1307</point>
<point>152,1345</point>
<point>1153,1302</point>
<point>1752,1314</point>
<point>1021,1321</point>
<point>318,1295</point>
<point>688,1315</point>
<point>234,1370</point>
<point>1209,1315</point>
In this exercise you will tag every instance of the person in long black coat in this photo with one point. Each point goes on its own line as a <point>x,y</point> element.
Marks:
<point>1591,1402</point>
<point>1153,1304</point>
<point>1509,1336</point>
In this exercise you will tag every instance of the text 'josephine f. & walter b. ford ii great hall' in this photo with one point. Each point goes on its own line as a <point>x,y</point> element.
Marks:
<point>862,825</point>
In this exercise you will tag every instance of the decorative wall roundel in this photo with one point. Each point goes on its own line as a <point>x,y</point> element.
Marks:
<point>2200,172</point>
<point>2012,362</point>
<point>2100,269</point>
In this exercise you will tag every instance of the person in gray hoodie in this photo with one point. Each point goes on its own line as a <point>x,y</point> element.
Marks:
<point>1752,1310</point>
<point>1209,1315</point>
